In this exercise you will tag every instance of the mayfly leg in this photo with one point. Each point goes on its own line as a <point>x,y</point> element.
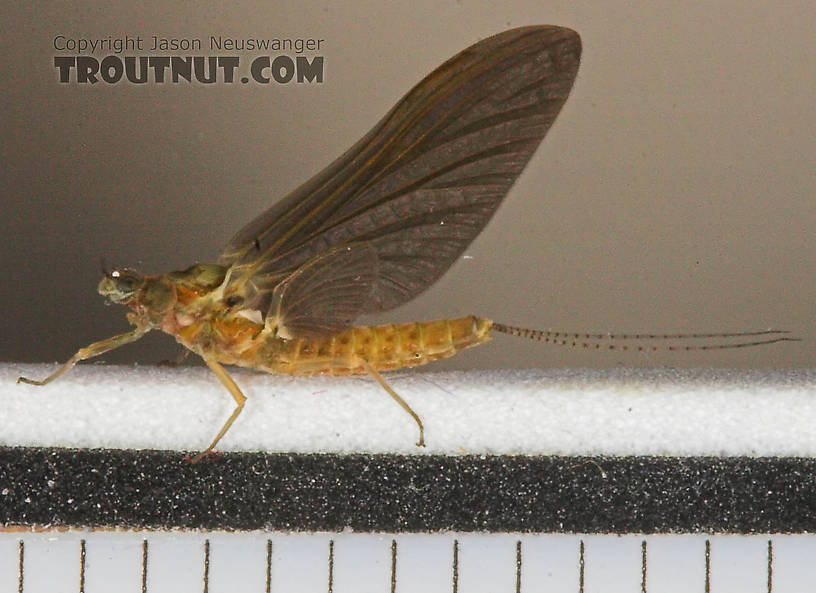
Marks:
<point>373,372</point>
<point>239,398</point>
<point>94,349</point>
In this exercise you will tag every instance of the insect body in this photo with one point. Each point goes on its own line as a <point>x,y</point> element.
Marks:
<point>370,232</point>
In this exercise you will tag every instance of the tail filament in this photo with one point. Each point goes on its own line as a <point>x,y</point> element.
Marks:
<point>612,341</point>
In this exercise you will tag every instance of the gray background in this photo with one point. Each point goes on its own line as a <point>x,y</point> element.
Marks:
<point>675,191</point>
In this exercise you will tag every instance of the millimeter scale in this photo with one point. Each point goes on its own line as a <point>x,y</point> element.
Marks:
<point>162,562</point>
<point>98,519</point>
<point>728,529</point>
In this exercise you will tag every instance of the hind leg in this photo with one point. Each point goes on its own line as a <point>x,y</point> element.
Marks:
<point>378,377</point>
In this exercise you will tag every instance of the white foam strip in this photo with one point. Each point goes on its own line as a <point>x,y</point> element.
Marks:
<point>550,412</point>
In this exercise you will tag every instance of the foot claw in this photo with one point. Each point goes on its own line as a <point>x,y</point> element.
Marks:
<point>208,454</point>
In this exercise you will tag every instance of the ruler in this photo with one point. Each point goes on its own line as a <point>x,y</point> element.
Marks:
<point>112,520</point>
<point>140,562</point>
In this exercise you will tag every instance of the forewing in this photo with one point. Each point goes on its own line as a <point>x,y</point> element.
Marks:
<point>325,294</point>
<point>423,183</point>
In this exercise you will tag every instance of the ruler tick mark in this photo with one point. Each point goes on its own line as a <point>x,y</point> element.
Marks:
<point>518,566</point>
<point>82,566</point>
<point>770,566</point>
<point>331,565</point>
<point>20,559</point>
<point>393,566</point>
<point>708,566</point>
<point>144,566</point>
<point>268,566</point>
<point>206,565</point>
<point>581,566</point>
<point>455,566</point>
<point>643,566</point>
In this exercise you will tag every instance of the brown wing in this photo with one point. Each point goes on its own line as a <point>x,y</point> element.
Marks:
<point>424,182</point>
<point>325,294</point>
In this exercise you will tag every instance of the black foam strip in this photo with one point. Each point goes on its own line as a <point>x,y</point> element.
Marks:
<point>305,492</point>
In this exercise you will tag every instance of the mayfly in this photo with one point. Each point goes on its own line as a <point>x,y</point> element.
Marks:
<point>370,232</point>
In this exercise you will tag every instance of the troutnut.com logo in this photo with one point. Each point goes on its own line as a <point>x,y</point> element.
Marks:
<point>90,61</point>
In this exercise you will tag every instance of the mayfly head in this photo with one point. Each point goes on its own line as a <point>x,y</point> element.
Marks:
<point>119,286</point>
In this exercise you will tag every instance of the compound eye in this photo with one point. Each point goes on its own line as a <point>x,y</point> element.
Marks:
<point>125,280</point>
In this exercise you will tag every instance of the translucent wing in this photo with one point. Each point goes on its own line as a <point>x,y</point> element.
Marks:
<point>326,293</point>
<point>422,184</point>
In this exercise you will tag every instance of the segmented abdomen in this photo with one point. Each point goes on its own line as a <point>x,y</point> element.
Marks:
<point>384,347</point>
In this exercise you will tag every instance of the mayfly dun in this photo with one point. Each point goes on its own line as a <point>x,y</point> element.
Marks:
<point>373,230</point>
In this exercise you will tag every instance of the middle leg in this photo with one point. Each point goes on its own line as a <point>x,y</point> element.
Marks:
<point>239,398</point>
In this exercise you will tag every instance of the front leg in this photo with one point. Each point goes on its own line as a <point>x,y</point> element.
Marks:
<point>94,349</point>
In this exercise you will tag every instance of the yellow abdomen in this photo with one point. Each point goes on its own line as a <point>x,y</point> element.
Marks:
<point>384,347</point>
